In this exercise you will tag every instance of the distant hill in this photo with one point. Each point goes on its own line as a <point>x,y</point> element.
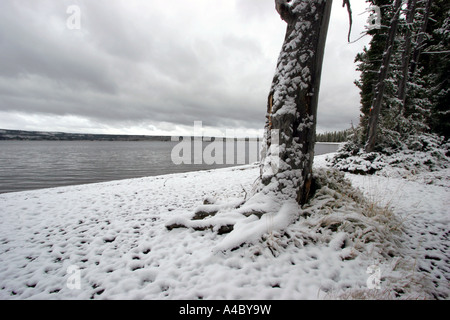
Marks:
<point>42,135</point>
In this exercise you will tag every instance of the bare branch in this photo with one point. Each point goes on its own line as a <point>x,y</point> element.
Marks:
<point>349,10</point>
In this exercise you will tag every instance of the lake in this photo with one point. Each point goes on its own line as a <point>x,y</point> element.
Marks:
<point>29,165</point>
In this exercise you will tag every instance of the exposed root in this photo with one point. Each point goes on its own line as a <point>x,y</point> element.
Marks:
<point>336,215</point>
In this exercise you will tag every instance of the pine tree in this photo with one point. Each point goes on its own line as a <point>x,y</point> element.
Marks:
<point>369,63</point>
<point>416,94</point>
<point>406,54</point>
<point>435,62</point>
<point>379,93</point>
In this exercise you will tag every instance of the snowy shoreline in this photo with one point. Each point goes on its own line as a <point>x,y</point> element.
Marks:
<point>109,241</point>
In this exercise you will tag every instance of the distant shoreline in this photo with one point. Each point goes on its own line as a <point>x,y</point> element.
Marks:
<point>23,135</point>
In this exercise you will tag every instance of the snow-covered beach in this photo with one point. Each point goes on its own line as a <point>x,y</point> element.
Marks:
<point>110,241</point>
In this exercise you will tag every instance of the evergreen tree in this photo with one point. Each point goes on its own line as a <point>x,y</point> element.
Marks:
<point>369,63</point>
<point>435,62</point>
<point>414,111</point>
<point>415,93</point>
<point>383,73</point>
<point>335,136</point>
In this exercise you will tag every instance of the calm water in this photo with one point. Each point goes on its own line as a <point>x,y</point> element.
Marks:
<point>28,165</point>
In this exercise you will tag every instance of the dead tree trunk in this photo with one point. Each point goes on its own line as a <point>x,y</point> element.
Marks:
<point>288,147</point>
<point>382,74</point>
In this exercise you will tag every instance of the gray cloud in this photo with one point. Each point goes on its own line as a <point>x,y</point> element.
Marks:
<point>155,63</point>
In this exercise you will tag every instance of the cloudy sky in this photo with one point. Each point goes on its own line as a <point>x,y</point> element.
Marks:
<point>156,66</point>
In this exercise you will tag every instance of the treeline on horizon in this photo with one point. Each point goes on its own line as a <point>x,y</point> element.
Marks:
<point>333,136</point>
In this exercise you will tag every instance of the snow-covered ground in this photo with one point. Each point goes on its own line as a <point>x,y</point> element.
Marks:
<point>110,241</point>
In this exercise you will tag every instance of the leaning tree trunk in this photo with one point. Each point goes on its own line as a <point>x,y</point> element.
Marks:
<point>406,53</point>
<point>420,40</point>
<point>382,75</point>
<point>288,147</point>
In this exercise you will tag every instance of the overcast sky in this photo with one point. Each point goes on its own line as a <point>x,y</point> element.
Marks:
<point>156,66</point>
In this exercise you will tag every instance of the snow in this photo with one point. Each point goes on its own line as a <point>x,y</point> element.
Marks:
<point>425,210</point>
<point>115,235</point>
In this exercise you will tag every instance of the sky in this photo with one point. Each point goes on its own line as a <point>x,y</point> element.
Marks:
<point>153,67</point>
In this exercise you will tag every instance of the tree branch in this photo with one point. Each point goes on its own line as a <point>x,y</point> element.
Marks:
<point>349,10</point>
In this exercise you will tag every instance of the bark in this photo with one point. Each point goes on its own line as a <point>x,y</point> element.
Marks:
<point>382,75</point>
<point>288,147</point>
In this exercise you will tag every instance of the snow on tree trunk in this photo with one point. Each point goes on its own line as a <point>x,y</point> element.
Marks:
<point>288,147</point>
<point>286,165</point>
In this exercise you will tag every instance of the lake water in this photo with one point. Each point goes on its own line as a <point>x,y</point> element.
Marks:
<point>29,165</point>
